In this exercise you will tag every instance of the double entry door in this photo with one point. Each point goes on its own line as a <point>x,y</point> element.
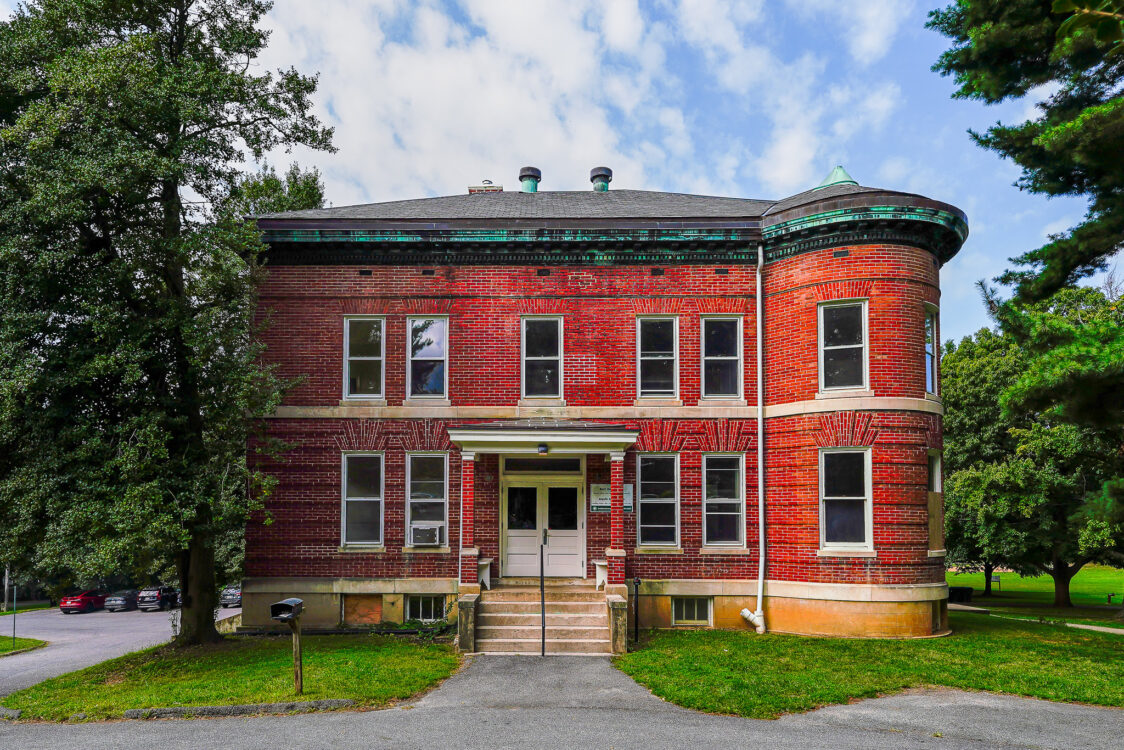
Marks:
<point>550,513</point>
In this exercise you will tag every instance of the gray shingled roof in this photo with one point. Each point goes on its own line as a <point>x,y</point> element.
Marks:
<point>585,204</point>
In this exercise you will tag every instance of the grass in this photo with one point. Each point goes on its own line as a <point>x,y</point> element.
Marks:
<point>22,608</point>
<point>1034,596</point>
<point>372,670</point>
<point>763,677</point>
<point>7,647</point>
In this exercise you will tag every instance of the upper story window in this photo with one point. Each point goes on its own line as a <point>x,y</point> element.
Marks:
<point>429,352</point>
<point>721,357</point>
<point>845,504</point>
<point>931,358</point>
<point>427,505</point>
<point>362,499</point>
<point>657,366</point>
<point>542,357</point>
<point>843,336</point>
<point>363,357</point>
<point>723,499</point>
<point>657,478</point>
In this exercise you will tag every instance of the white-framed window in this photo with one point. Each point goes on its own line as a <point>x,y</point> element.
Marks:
<point>657,357</point>
<point>721,357</point>
<point>723,499</point>
<point>932,355</point>
<point>845,502</point>
<point>425,607</point>
<point>843,345</point>
<point>690,610</point>
<point>657,477</point>
<point>362,504</point>
<point>427,506</point>
<point>934,479</point>
<point>364,351</point>
<point>427,369</point>
<point>542,357</point>
<point>936,501</point>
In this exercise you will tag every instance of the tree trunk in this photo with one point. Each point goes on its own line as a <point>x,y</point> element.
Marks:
<point>1062,575</point>
<point>197,580</point>
<point>989,568</point>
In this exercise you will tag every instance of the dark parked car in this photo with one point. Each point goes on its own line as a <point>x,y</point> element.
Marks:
<point>231,596</point>
<point>158,597</point>
<point>121,601</point>
<point>82,601</point>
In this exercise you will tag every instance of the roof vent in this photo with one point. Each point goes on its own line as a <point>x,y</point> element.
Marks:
<point>485,186</point>
<point>529,178</point>
<point>838,176</point>
<point>600,177</point>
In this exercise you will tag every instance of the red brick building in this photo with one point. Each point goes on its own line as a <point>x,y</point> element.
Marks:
<point>637,378</point>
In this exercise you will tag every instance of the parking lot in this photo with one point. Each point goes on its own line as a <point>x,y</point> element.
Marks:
<point>77,641</point>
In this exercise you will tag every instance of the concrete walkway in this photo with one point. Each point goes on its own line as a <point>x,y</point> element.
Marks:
<point>583,702</point>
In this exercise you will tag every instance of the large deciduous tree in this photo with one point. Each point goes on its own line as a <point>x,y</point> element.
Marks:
<point>1025,488</point>
<point>1005,49</point>
<point>129,376</point>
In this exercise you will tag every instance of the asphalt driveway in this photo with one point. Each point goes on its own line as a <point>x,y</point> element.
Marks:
<point>583,702</point>
<point>77,641</point>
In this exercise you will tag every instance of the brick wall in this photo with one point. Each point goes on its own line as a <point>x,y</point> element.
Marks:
<point>306,306</point>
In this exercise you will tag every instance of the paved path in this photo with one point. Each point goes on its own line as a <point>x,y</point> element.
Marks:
<point>77,641</point>
<point>582,702</point>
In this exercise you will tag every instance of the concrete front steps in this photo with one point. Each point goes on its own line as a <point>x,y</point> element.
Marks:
<point>509,619</point>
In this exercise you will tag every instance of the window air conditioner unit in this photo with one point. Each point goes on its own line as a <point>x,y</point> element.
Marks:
<point>425,536</point>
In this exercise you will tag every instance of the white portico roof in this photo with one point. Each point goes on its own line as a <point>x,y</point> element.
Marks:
<point>559,436</point>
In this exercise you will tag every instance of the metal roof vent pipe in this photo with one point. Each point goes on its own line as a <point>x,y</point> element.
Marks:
<point>600,177</point>
<point>529,178</point>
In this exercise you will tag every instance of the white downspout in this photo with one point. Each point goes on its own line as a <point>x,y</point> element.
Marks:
<point>757,619</point>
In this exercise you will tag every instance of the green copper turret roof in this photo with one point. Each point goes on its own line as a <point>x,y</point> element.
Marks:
<point>838,176</point>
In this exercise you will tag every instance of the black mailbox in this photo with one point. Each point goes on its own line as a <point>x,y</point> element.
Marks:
<point>284,611</point>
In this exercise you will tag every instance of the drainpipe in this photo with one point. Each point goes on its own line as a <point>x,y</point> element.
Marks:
<point>757,619</point>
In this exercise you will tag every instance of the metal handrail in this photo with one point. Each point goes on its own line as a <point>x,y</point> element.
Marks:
<point>542,592</point>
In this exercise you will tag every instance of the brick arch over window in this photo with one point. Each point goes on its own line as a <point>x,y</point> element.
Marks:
<point>672,435</point>
<point>362,435</point>
<point>845,429</point>
<point>662,436</point>
<point>657,306</point>
<point>425,435</point>
<point>856,289</point>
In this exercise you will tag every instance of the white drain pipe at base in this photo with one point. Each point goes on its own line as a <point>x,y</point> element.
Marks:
<point>757,619</point>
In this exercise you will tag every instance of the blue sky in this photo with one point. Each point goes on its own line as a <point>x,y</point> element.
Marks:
<point>753,99</point>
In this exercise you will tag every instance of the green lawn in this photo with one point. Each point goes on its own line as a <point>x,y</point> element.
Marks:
<point>6,645</point>
<point>22,608</point>
<point>372,670</point>
<point>1034,597</point>
<point>738,672</point>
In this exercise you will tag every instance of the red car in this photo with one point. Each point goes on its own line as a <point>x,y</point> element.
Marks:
<point>84,601</point>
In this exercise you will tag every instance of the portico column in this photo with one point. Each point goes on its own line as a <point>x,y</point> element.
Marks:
<point>615,553</point>
<point>469,552</point>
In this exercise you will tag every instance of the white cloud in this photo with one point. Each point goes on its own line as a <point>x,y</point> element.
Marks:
<point>869,27</point>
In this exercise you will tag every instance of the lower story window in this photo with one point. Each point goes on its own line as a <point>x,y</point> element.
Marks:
<point>425,608</point>
<point>362,499</point>
<point>690,610</point>
<point>845,498</point>
<point>426,507</point>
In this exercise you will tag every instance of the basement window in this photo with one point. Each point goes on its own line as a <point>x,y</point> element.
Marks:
<point>425,607</point>
<point>690,611</point>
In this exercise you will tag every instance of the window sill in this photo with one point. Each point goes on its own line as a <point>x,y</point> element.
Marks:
<point>937,553</point>
<point>716,401</point>
<point>846,553</point>
<point>427,402</point>
<point>658,551</point>
<point>846,393</point>
<point>362,548</point>
<point>362,401</point>
<point>541,402</point>
<point>718,550</point>
<point>656,401</point>
<point>426,550</point>
<point>932,397</point>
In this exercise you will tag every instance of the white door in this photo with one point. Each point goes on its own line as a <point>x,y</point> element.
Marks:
<point>538,512</point>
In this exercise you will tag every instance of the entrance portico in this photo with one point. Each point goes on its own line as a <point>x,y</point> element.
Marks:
<point>542,494</point>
